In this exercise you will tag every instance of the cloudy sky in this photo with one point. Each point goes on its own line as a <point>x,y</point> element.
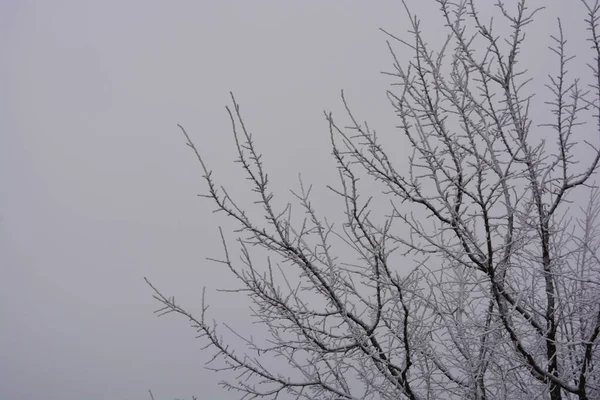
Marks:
<point>98,190</point>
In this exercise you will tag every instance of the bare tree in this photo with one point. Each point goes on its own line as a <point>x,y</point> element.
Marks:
<point>504,298</point>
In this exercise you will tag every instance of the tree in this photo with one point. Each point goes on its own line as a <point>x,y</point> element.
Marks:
<point>504,298</point>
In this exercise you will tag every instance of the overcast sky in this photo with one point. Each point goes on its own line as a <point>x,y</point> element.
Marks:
<point>98,190</point>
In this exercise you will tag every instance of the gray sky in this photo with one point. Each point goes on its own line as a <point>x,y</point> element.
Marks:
<point>98,190</point>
